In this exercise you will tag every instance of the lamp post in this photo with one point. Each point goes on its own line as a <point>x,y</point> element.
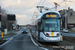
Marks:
<point>65,16</point>
<point>65,30</point>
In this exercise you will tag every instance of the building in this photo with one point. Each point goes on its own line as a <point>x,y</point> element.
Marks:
<point>70,16</point>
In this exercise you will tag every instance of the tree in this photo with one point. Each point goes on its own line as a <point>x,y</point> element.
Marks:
<point>3,20</point>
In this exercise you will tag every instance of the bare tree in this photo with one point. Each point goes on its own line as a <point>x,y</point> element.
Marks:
<point>3,20</point>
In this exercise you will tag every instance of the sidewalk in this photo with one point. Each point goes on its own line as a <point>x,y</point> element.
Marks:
<point>7,37</point>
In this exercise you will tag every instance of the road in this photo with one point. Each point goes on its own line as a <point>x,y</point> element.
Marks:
<point>70,34</point>
<point>24,42</point>
<point>21,42</point>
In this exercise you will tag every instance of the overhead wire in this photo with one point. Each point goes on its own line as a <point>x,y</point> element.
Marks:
<point>70,4</point>
<point>61,2</point>
<point>36,9</point>
<point>40,2</point>
<point>43,2</point>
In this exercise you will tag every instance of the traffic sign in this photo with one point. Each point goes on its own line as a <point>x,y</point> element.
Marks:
<point>11,17</point>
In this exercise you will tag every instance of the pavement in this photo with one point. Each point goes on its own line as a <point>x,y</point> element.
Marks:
<point>21,42</point>
<point>24,42</point>
<point>7,37</point>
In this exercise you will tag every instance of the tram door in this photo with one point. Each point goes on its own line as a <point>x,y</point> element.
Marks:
<point>39,26</point>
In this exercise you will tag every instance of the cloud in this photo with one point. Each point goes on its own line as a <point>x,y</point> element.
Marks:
<point>24,9</point>
<point>19,1</point>
<point>23,19</point>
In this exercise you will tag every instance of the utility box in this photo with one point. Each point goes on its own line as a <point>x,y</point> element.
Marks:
<point>5,31</point>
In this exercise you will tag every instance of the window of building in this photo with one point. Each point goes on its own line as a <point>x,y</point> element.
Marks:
<point>70,14</point>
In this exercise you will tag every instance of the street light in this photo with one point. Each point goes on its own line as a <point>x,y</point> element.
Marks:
<point>65,30</point>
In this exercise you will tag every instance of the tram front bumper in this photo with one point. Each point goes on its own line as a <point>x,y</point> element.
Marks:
<point>50,39</point>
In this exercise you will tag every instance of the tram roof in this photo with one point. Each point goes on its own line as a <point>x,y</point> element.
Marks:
<point>41,14</point>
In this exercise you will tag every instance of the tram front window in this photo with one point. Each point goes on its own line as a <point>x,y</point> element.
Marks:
<point>52,25</point>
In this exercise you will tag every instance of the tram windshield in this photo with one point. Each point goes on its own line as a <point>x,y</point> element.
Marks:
<point>52,25</point>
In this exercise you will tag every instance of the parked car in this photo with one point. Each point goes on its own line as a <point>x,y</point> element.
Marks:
<point>24,31</point>
<point>65,30</point>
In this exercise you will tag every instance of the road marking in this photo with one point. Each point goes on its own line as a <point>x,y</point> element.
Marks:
<point>9,40</point>
<point>36,43</point>
<point>32,39</point>
<point>6,42</point>
<point>44,48</point>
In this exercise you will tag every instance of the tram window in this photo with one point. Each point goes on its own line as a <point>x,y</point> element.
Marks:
<point>41,28</point>
<point>52,25</point>
<point>46,28</point>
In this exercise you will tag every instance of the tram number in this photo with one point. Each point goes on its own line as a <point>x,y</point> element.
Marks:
<point>51,15</point>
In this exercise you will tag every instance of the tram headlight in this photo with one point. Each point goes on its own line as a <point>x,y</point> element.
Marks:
<point>57,34</point>
<point>47,34</point>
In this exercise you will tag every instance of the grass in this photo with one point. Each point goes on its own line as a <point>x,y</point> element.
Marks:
<point>71,39</point>
<point>2,41</point>
<point>10,34</point>
<point>71,30</point>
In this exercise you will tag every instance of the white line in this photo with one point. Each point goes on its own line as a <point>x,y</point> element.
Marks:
<point>44,48</point>
<point>8,40</point>
<point>36,43</point>
<point>33,40</point>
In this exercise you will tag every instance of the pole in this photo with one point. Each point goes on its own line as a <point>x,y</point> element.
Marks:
<point>0,22</point>
<point>65,16</point>
<point>56,8</point>
<point>6,23</point>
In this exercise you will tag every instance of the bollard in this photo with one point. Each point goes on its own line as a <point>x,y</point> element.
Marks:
<point>5,31</point>
<point>2,35</point>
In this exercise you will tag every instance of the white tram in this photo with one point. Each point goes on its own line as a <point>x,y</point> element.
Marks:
<point>48,27</point>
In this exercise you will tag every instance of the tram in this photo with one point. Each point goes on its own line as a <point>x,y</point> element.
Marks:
<point>48,27</point>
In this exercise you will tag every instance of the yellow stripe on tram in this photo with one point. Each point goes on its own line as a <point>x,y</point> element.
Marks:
<point>52,33</point>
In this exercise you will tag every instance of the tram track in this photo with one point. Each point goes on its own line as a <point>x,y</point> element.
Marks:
<point>53,46</point>
<point>47,44</point>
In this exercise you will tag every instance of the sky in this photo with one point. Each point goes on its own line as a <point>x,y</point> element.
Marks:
<point>24,9</point>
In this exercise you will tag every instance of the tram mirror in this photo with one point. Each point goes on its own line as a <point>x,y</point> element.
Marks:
<point>59,18</point>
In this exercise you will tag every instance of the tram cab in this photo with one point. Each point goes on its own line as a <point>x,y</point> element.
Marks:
<point>49,27</point>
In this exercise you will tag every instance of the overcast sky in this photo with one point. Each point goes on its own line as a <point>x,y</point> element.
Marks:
<point>24,9</point>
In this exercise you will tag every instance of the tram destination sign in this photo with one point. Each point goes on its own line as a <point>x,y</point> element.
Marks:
<point>51,15</point>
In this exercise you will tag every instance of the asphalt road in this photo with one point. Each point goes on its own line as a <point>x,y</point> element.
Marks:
<point>70,34</point>
<point>21,42</point>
